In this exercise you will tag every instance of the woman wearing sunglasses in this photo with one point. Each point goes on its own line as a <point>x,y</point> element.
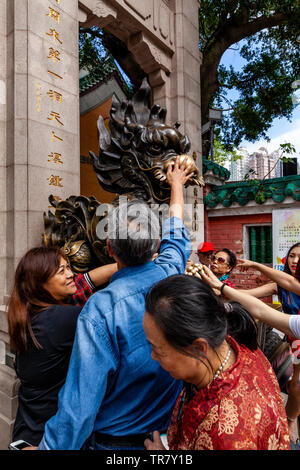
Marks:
<point>222,263</point>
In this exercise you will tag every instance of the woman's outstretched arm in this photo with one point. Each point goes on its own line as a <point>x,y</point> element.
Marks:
<point>102,274</point>
<point>255,307</point>
<point>285,280</point>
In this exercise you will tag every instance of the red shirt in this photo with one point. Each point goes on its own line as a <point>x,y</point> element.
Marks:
<point>85,288</point>
<point>241,410</point>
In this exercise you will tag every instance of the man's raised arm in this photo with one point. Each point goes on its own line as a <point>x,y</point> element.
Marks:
<point>177,176</point>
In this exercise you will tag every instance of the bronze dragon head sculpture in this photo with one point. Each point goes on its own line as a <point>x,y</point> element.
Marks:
<point>134,155</point>
<point>133,158</point>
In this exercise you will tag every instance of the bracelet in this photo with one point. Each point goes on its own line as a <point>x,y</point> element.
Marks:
<point>222,287</point>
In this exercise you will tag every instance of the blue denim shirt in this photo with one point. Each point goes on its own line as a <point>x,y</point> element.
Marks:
<point>113,386</point>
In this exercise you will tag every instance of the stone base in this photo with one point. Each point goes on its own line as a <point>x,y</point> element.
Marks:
<point>9,385</point>
<point>6,427</point>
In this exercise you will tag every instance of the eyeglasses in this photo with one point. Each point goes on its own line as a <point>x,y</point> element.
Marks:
<point>218,259</point>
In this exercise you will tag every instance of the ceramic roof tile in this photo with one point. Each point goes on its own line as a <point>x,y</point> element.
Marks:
<point>243,192</point>
<point>102,74</point>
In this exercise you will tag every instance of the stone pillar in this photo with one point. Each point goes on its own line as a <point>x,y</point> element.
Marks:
<point>8,404</point>
<point>39,135</point>
<point>3,101</point>
<point>186,99</point>
<point>43,111</point>
<point>163,37</point>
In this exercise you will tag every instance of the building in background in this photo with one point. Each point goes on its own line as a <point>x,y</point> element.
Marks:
<point>97,91</point>
<point>260,164</point>
<point>239,168</point>
<point>43,151</point>
<point>235,219</point>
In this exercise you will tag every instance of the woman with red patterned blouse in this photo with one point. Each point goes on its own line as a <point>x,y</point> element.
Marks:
<point>231,399</point>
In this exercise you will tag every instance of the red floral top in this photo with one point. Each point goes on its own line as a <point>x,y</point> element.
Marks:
<point>242,409</point>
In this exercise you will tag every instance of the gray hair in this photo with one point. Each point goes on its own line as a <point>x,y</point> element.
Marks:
<point>133,232</point>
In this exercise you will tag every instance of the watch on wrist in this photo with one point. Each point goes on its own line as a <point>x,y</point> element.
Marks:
<point>222,288</point>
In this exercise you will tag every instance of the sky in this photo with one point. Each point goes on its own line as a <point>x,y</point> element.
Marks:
<point>282,130</point>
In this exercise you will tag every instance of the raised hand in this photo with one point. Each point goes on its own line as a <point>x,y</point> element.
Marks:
<point>156,444</point>
<point>210,279</point>
<point>179,173</point>
<point>245,264</point>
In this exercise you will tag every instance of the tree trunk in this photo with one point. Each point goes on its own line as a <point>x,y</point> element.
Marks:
<point>124,57</point>
<point>229,33</point>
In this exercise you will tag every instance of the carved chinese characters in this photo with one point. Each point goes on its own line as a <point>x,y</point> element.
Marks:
<point>53,112</point>
<point>55,56</point>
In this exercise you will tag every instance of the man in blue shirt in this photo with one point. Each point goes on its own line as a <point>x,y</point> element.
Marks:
<point>114,390</point>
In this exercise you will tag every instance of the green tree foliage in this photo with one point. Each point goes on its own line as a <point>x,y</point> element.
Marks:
<point>99,50</point>
<point>223,155</point>
<point>268,31</point>
<point>92,54</point>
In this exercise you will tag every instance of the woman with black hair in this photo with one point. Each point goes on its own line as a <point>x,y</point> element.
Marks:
<point>287,323</point>
<point>43,309</point>
<point>222,263</point>
<point>231,399</point>
<point>285,284</point>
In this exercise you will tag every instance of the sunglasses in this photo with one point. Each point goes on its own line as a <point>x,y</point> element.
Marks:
<point>218,259</point>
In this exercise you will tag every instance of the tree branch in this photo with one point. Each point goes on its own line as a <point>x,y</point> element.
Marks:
<point>230,32</point>
<point>233,31</point>
<point>120,52</point>
<point>248,29</point>
<point>227,101</point>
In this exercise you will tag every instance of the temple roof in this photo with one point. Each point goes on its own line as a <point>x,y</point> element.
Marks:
<point>104,73</point>
<point>218,170</point>
<point>243,192</point>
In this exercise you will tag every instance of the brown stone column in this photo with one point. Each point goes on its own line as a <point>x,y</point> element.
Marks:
<point>185,97</point>
<point>163,37</point>
<point>39,137</point>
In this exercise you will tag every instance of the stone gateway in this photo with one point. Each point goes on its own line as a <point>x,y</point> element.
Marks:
<point>40,113</point>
